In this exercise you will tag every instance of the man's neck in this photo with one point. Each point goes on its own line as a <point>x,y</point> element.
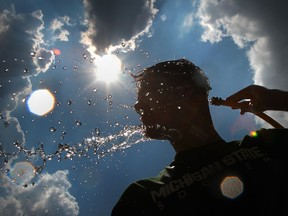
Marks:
<point>195,138</point>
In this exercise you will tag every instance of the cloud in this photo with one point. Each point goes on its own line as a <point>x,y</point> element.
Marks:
<point>188,21</point>
<point>187,24</point>
<point>163,17</point>
<point>257,25</point>
<point>22,56</point>
<point>50,195</point>
<point>20,41</point>
<point>111,23</point>
<point>59,32</point>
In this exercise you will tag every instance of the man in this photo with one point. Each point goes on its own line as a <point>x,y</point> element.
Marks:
<point>208,176</point>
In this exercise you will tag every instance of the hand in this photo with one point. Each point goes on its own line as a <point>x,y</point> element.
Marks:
<point>253,98</point>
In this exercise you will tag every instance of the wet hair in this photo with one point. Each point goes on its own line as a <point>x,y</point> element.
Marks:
<point>182,72</point>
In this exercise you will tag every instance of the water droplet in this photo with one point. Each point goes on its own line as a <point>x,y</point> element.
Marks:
<point>84,56</point>
<point>6,124</point>
<point>53,129</point>
<point>32,54</point>
<point>6,70</point>
<point>26,70</point>
<point>123,44</point>
<point>69,102</point>
<point>89,102</point>
<point>78,123</point>
<point>97,131</point>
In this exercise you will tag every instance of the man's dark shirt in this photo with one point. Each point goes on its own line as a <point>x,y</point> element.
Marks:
<point>245,177</point>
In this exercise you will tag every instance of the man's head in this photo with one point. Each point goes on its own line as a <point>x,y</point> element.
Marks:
<point>165,92</point>
<point>181,72</point>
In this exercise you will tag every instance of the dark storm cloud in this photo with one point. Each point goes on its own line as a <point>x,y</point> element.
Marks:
<point>21,55</point>
<point>260,26</point>
<point>112,22</point>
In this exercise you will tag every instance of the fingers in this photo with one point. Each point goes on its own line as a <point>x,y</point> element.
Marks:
<point>244,107</point>
<point>252,98</point>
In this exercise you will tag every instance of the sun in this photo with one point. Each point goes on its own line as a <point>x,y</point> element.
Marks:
<point>108,67</point>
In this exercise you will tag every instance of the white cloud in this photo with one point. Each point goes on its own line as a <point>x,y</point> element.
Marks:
<point>50,195</point>
<point>4,19</point>
<point>187,24</point>
<point>115,24</point>
<point>163,17</point>
<point>257,25</point>
<point>59,32</point>
<point>188,21</point>
<point>56,24</point>
<point>10,206</point>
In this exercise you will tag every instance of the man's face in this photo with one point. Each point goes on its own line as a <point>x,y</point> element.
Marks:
<point>160,106</point>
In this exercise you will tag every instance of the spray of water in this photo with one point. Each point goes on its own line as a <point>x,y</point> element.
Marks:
<point>97,145</point>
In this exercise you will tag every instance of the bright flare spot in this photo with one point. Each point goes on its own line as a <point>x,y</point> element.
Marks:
<point>253,134</point>
<point>56,51</point>
<point>231,187</point>
<point>108,67</point>
<point>22,172</point>
<point>41,102</point>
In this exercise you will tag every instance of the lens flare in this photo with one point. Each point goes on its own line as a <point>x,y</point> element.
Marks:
<point>41,102</point>
<point>22,173</point>
<point>253,133</point>
<point>56,51</point>
<point>231,187</point>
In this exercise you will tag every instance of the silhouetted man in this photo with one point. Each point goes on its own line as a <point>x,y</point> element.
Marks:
<point>208,176</point>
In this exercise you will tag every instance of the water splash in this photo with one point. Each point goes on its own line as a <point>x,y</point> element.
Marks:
<point>96,145</point>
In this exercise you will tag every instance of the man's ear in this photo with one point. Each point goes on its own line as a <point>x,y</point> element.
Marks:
<point>197,98</point>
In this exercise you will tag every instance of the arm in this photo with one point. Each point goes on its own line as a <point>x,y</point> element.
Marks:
<point>256,99</point>
<point>260,99</point>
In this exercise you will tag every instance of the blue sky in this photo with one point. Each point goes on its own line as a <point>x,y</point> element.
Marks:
<point>235,42</point>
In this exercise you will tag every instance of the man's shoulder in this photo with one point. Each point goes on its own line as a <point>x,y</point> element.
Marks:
<point>266,136</point>
<point>147,183</point>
